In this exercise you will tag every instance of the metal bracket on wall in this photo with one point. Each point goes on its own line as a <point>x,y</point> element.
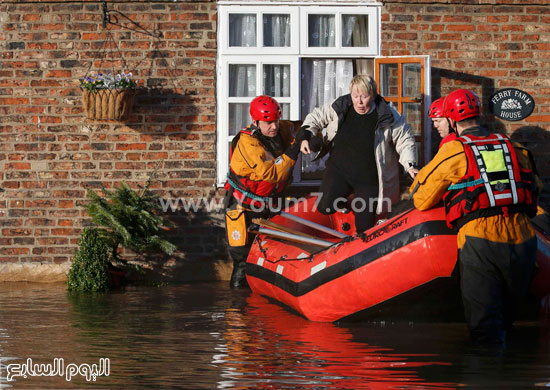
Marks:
<point>110,17</point>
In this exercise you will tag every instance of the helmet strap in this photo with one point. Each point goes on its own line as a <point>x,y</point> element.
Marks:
<point>451,129</point>
<point>254,126</point>
<point>453,125</point>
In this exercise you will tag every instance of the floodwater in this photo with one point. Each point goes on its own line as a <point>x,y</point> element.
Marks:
<point>206,336</point>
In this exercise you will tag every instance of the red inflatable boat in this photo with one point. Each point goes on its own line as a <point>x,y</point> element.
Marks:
<point>318,266</point>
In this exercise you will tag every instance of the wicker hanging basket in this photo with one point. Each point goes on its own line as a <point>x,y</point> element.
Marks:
<point>108,104</point>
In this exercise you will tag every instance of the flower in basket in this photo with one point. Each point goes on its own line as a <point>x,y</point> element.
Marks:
<point>108,97</point>
<point>98,81</point>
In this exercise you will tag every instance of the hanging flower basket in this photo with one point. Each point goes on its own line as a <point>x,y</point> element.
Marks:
<point>108,104</point>
<point>108,97</point>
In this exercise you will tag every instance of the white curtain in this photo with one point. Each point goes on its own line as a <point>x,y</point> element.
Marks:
<point>277,80</point>
<point>242,77</point>
<point>242,83</point>
<point>242,30</point>
<point>242,80</point>
<point>355,32</point>
<point>322,82</point>
<point>322,32</point>
<point>276,30</point>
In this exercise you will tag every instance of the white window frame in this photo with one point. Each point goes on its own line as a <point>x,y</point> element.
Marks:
<point>223,96</point>
<point>259,49</point>
<point>373,47</point>
<point>292,55</point>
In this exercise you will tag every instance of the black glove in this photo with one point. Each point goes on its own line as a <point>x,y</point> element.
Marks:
<point>293,150</point>
<point>303,134</point>
<point>315,144</point>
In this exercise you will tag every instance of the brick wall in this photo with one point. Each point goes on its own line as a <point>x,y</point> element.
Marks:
<point>50,155</point>
<point>484,47</point>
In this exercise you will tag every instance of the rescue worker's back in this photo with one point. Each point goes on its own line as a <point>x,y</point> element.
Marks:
<point>489,188</point>
<point>451,164</point>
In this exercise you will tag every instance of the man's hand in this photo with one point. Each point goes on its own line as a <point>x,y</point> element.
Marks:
<point>304,147</point>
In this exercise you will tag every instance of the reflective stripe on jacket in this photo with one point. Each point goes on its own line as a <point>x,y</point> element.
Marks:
<point>494,182</point>
<point>448,167</point>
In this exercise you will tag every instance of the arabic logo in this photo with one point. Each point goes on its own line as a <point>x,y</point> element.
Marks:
<point>57,368</point>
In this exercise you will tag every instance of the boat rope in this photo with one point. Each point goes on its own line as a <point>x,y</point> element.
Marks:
<point>335,247</point>
<point>285,258</point>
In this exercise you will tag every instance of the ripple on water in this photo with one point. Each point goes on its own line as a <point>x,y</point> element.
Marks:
<point>204,336</point>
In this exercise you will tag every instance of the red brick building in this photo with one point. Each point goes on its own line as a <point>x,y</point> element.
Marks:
<point>199,63</point>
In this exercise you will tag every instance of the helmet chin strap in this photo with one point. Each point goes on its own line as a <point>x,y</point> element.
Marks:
<point>254,127</point>
<point>451,129</point>
<point>452,125</point>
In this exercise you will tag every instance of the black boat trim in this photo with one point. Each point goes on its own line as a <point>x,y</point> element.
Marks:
<point>401,239</point>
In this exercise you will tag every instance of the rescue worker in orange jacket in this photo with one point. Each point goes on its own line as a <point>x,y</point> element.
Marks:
<point>489,188</point>
<point>441,123</point>
<point>262,158</point>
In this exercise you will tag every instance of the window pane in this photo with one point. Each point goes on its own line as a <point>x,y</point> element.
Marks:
<point>276,30</point>
<point>355,30</point>
<point>242,80</point>
<point>285,107</point>
<point>277,80</point>
<point>242,30</point>
<point>312,170</point>
<point>389,79</point>
<point>411,80</point>
<point>321,31</point>
<point>363,66</point>
<point>322,81</point>
<point>413,115</point>
<point>239,117</point>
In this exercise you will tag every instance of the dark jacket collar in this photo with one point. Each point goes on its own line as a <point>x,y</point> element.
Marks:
<point>476,131</point>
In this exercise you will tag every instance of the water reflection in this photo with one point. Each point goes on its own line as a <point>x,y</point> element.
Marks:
<point>204,336</point>
<point>266,345</point>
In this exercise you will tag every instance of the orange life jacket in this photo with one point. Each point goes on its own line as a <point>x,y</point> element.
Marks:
<point>252,193</point>
<point>494,182</point>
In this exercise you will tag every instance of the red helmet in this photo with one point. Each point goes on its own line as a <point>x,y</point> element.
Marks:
<point>265,108</point>
<point>436,108</point>
<point>461,104</point>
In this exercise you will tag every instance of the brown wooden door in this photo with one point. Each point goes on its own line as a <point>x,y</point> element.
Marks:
<point>404,82</point>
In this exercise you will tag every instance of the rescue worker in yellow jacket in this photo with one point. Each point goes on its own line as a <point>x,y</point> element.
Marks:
<point>489,188</point>
<point>262,158</point>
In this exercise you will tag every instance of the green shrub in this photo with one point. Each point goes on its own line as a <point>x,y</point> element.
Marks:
<point>90,268</point>
<point>126,218</point>
<point>131,218</point>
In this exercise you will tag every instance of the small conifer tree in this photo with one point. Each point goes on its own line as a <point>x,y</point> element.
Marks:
<point>90,268</point>
<point>131,218</point>
<point>127,218</point>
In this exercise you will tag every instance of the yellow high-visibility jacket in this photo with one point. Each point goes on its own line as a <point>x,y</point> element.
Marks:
<point>449,167</point>
<point>260,171</point>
